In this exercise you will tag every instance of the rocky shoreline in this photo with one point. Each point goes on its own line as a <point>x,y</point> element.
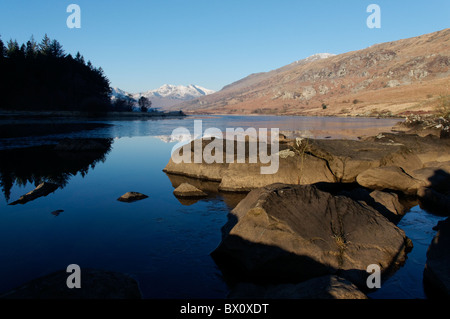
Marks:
<point>330,210</point>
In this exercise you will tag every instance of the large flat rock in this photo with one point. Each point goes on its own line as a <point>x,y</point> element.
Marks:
<point>296,232</point>
<point>348,158</point>
<point>294,168</point>
<point>389,178</point>
<point>427,149</point>
<point>309,161</point>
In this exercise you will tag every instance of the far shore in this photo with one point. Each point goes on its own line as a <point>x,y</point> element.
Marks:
<point>9,114</point>
<point>14,115</point>
<point>39,123</point>
<point>299,115</point>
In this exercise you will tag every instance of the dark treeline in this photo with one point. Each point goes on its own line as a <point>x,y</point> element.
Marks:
<point>40,76</point>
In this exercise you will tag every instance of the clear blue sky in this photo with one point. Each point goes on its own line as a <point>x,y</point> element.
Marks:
<point>143,44</point>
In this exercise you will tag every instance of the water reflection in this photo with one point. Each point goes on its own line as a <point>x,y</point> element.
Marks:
<point>49,167</point>
<point>165,244</point>
<point>27,133</point>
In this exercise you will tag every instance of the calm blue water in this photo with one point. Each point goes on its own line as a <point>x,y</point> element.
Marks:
<point>318,127</point>
<point>406,283</point>
<point>162,243</point>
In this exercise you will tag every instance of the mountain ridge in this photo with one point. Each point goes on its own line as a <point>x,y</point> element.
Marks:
<point>391,78</point>
<point>165,96</point>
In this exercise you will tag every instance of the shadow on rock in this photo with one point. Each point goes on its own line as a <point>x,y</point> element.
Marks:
<point>286,275</point>
<point>436,275</point>
<point>324,287</point>
<point>435,196</point>
<point>391,205</point>
<point>291,233</point>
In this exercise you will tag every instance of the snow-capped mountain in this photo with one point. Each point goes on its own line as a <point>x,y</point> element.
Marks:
<point>167,95</point>
<point>118,93</point>
<point>178,92</point>
<point>318,56</point>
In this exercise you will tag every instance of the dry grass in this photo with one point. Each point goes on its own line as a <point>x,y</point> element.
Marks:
<point>301,148</point>
<point>341,244</point>
<point>352,94</point>
<point>443,106</point>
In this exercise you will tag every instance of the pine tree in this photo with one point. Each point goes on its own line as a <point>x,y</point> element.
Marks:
<point>79,58</point>
<point>56,50</point>
<point>44,46</point>
<point>12,49</point>
<point>2,49</point>
<point>22,51</point>
<point>31,49</point>
<point>57,81</point>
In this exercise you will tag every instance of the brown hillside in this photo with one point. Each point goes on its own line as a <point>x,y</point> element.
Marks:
<point>393,78</point>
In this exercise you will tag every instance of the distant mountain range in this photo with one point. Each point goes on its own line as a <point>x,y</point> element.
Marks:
<point>167,95</point>
<point>393,78</point>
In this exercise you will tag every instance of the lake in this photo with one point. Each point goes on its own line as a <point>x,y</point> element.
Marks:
<point>163,243</point>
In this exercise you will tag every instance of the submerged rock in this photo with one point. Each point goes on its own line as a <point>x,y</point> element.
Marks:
<point>186,190</point>
<point>95,284</point>
<point>57,212</point>
<point>325,287</point>
<point>131,197</point>
<point>293,233</point>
